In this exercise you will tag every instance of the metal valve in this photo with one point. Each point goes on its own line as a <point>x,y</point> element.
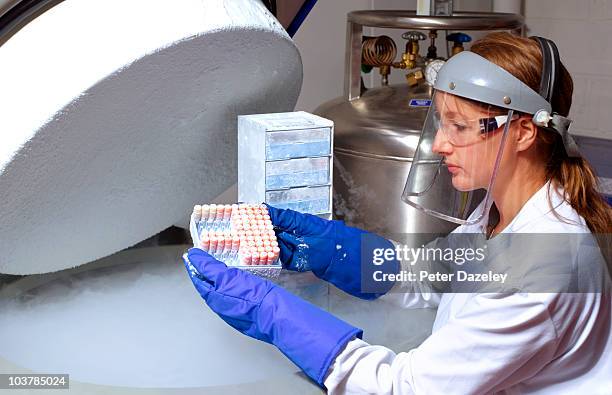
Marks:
<point>414,35</point>
<point>458,39</point>
<point>411,54</point>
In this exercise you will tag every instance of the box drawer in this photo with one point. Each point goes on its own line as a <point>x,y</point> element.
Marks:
<point>312,200</point>
<point>298,172</point>
<point>298,143</point>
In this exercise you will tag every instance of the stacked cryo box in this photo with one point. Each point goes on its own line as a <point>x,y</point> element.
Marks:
<point>285,160</point>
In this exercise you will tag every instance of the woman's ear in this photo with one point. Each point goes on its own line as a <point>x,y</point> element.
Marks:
<point>527,133</point>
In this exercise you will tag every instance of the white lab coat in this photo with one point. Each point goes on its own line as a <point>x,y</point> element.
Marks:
<point>522,343</point>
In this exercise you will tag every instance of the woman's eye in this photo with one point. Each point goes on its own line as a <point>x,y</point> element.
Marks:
<point>459,127</point>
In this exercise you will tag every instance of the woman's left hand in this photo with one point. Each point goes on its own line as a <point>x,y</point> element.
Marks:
<point>306,334</point>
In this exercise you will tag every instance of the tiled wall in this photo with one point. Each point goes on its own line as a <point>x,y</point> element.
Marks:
<point>582,30</point>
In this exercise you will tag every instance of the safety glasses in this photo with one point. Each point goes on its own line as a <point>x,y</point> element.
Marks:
<point>460,132</point>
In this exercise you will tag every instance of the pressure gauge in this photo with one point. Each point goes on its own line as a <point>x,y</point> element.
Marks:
<point>431,70</point>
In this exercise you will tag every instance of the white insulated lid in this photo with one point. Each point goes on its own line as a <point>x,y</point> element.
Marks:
<point>118,116</point>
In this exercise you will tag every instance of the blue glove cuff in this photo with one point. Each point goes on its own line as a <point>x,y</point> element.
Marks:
<point>352,268</point>
<point>309,336</point>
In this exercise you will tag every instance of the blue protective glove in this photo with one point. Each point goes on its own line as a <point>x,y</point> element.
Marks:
<point>310,337</point>
<point>333,251</point>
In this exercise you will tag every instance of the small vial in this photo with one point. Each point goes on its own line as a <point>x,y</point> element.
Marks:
<point>263,258</point>
<point>212,211</point>
<point>227,249</point>
<point>220,212</point>
<point>197,213</point>
<point>273,243</point>
<point>227,246</point>
<point>205,212</point>
<point>235,248</point>
<point>246,259</point>
<point>205,243</point>
<point>270,259</point>
<point>213,245</point>
<point>255,259</point>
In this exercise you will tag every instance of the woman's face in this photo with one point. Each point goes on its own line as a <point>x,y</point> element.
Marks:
<point>469,155</point>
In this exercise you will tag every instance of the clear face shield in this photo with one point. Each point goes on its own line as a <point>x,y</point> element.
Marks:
<point>455,166</point>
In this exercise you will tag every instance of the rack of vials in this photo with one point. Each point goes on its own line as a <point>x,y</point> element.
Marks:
<point>239,235</point>
<point>285,160</point>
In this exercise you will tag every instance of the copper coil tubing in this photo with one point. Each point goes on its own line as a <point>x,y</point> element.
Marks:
<point>378,51</point>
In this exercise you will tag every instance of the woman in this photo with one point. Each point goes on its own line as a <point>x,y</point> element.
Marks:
<point>498,123</point>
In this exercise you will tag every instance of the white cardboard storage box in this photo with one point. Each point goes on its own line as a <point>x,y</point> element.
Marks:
<point>286,160</point>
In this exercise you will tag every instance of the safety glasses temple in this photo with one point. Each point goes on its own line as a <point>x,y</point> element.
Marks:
<point>492,124</point>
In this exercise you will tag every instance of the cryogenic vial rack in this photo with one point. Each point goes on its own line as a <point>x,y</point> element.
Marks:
<point>240,235</point>
<point>286,160</point>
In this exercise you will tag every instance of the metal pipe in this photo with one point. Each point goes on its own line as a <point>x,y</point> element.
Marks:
<point>459,20</point>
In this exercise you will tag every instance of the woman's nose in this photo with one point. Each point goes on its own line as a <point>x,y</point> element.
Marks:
<point>441,145</point>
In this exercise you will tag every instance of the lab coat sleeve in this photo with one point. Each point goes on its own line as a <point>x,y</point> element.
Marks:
<point>493,343</point>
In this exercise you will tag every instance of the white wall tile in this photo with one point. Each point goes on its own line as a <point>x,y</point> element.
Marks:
<point>472,5</point>
<point>599,103</point>
<point>581,30</point>
<point>557,9</point>
<point>321,42</point>
<point>580,112</point>
<point>598,9</point>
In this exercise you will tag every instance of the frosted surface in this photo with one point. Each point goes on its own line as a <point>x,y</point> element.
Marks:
<point>298,143</point>
<point>297,172</point>
<point>110,135</point>
<point>137,325</point>
<point>312,200</point>
<point>140,323</point>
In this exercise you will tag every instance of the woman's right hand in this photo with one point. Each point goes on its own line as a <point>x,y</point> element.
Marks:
<point>330,249</point>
